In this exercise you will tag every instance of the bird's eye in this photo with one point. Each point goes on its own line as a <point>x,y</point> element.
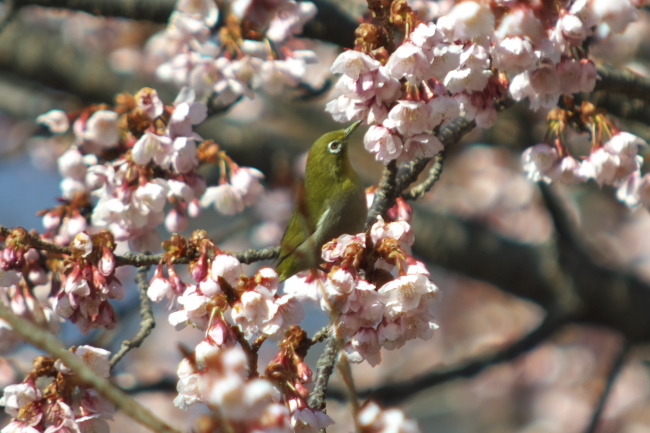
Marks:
<point>335,146</point>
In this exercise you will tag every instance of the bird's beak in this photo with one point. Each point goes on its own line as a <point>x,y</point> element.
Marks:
<point>350,129</point>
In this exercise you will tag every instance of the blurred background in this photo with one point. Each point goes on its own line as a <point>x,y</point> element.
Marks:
<point>57,58</point>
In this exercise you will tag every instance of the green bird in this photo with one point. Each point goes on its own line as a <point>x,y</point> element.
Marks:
<point>331,202</point>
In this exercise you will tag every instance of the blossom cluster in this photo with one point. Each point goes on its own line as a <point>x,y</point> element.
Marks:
<point>56,408</point>
<point>21,267</point>
<point>381,296</point>
<point>465,63</point>
<point>127,163</point>
<point>254,47</point>
<point>615,162</point>
<point>233,309</point>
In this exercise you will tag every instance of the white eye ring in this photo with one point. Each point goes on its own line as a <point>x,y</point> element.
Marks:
<point>335,146</point>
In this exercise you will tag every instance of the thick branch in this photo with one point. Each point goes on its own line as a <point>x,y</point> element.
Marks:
<point>34,54</point>
<point>151,10</point>
<point>619,80</point>
<point>605,296</point>
<point>83,373</point>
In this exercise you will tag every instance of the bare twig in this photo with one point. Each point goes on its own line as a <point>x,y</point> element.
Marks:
<point>611,378</point>
<point>84,374</point>
<point>148,322</point>
<point>324,370</point>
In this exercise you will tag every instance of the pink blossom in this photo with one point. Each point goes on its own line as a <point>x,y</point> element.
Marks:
<point>421,146</point>
<point>159,287</point>
<point>306,419</point>
<point>545,92</point>
<point>256,312</point>
<point>290,19</point>
<point>186,113</point>
<point>335,249</point>
<point>344,109</point>
<point>443,108</point>
<point>364,345</point>
<point>399,230</point>
<point>176,221</point>
<point>613,163</point>
<point>82,242</point>
<point>246,182</point>
<point>426,36</point>
<point>403,294</point>
<point>96,358</point>
<point>572,28</point>
<point>372,419</point>
<point>385,145</point>
<point>446,58</point>
<point>15,397</point>
<point>55,120</point>
<point>101,128</point>
<point>151,146</point>
<point>539,162</point>
<point>520,22</point>
<point>148,101</point>
<point>514,54</point>
<point>227,267</point>
<point>204,10</point>
<point>183,158</point>
<point>409,118</point>
<point>71,164</point>
<point>588,76</point>
<point>225,199</point>
<point>617,15</point>
<point>353,64</point>
<point>468,20</point>
<point>408,61</point>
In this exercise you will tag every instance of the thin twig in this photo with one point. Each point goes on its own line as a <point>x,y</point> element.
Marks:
<point>84,374</point>
<point>146,312</point>
<point>611,378</point>
<point>417,192</point>
<point>324,370</point>
<point>251,354</point>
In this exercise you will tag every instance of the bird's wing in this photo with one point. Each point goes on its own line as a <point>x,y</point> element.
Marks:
<point>299,230</point>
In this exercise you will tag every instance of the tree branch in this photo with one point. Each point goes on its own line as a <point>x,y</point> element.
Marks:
<point>611,378</point>
<point>325,369</point>
<point>417,192</point>
<point>150,10</point>
<point>84,374</point>
<point>135,259</point>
